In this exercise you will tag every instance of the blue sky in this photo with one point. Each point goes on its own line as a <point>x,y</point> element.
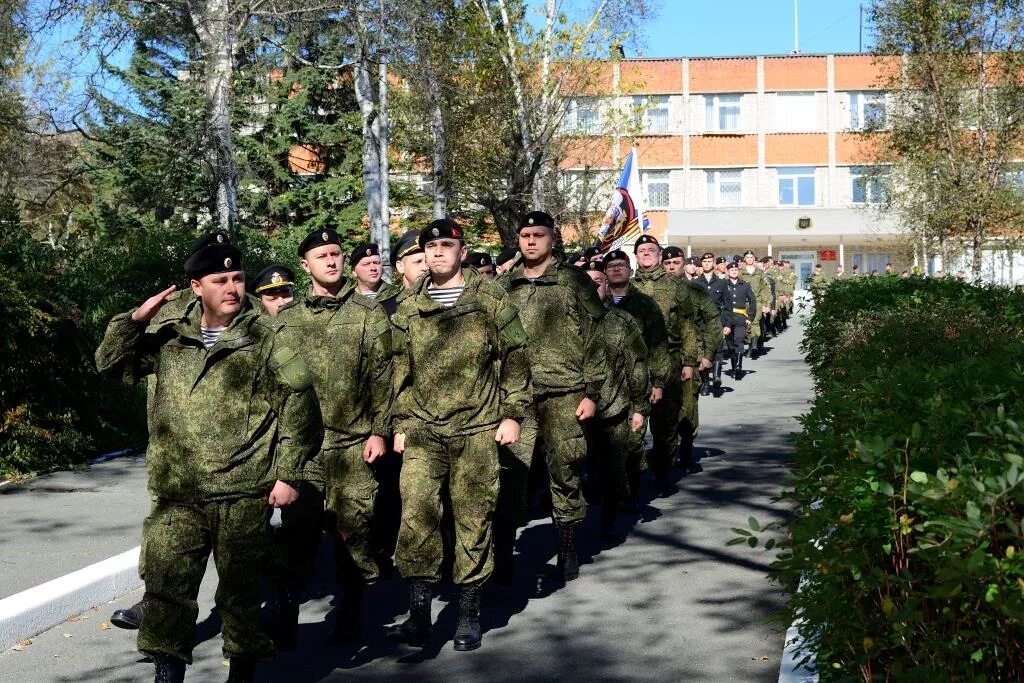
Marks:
<point>703,28</point>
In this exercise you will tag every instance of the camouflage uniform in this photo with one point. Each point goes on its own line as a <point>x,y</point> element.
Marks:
<point>561,311</point>
<point>224,425</point>
<point>458,372</point>
<point>762,292</point>
<point>705,313</point>
<point>388,295</point>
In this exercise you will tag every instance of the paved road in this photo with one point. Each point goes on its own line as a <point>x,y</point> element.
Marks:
<point>672,603</point>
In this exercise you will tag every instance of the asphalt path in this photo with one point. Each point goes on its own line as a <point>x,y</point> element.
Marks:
<point>670,603</point>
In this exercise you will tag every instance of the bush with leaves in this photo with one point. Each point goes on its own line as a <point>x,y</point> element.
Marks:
<point>906,538</point>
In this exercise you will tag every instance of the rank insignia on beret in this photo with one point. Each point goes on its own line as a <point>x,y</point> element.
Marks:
<point>435,232</point>
<point>369,252</point>
<point>529,222</point>
<point>324,236</point>
<point>228,262</point>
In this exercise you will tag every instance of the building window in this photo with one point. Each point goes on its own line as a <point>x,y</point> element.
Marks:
<point>722,112</point>
<point>656,189</point>
<point>867,110</point>
<point>582,116</point>
<point>725,188</point>
<point>796,111</point>
<point>652,113</point>
<point>868,185</point>
<point>796,186</point>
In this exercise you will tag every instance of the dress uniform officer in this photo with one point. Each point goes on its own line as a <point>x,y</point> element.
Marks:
<point>739,303</point>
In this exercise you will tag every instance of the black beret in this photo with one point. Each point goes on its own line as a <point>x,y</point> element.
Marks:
<point>749,253</point>
<point>506,255</point>
<point>595,264</point>
<point>591,253</point>
<point>671,252</point>
<point>318,238</point>
<point>766,259</point>
<point>479,259</point>
<point>407,245</point>
<point>734,264</point>
<point>212,253</point>
<point>616,255</point>
<point>706,254</point>
<point>362,251</point>
<point>537,218</point>
<point>442,227</point>
<point>274,276</point>
<point>645,239</point>
<point>720,259</point>
<point>692,261</point>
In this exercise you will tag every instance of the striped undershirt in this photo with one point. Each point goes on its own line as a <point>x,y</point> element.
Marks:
<point>617,298</point>
<point>210,335</point>
<point>446,296</point>
<point>371,295</point>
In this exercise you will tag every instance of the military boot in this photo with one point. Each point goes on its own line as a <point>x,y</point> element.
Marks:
<point>243,670</point>
<point>416,629</point>
<point>168,669</point>
<point>130,618</point>
<point>716,374</point>
<point>348,617</point>
<point>467,633</point>
<point>504,551</point>
<point>738,372</point>
<point>286,617</point>
<point>568,562</point>
<point>686,455</point>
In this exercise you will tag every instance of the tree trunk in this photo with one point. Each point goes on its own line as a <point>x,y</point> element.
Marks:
<point>382,234</point>
<point>371,126</point>
<point>976,253</point>
<point>438,134</point>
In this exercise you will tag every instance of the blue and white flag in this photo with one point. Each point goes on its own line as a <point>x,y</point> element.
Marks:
<point>625,215</point>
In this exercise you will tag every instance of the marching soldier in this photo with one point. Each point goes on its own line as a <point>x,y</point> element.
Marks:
<point>275,287</point>
<point>672,261</point>
<point>366,269</point>
<point>463,383</point>
<point>345,339</point>
<point>720,267</point>
<point>408,261</point>
<point>750,274</point>
<point>218,457</point>
<point>483,263</point>
<point>739,304</point>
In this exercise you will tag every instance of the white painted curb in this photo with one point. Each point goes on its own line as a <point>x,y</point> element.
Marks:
<point>42,607</point>
<point>790,670</point>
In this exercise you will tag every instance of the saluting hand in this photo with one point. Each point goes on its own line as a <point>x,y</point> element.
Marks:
<point>149,307</point>
<point>586,409</point>
<point>508,433</point>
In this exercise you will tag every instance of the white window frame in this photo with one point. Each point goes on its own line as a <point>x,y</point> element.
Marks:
<point>654,113</point>
<point>796,174</point>
<point>872,183</point>
<point>786,121</point>
<point>657,179</point>
<point>571,120</point>
<point>860,103</point>
<point>716,178</point>
<point>713,109</point>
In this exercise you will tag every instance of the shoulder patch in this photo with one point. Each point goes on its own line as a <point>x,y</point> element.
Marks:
<point>292,369</point>
<point>510,329</point>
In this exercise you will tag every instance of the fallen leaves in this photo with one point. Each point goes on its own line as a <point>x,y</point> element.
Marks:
<point>105,626</point>
<point>22,644</point>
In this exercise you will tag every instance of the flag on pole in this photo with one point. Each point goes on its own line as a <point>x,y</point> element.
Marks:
<point>624,217</point>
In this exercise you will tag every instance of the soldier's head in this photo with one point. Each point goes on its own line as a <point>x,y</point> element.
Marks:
<point>817,267</point>
<point>275,286</point>
<point>482,263</point>
<point>672,261</point>
<point>536,237</point>
<point>408,258</point>
<point>366,265</point>
<point>320,255</point>
<point>595,269</point>
<point>648,252</point>
<point>444,248</point>
<point>617,268</point>
<point>214,267</point>
<point>720,265</point>
<point>690,266</point>
<point>733,270</point>
<point>749,258</point>
<point>707,262</point>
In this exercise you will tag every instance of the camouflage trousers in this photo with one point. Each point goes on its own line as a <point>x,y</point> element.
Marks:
<point>565,448</point>
<point>515,460</point>
<point>177,540</point>
<point>351,495</point>
<point>609,450</point>
<point>675,415</point>
<point>466,465</point>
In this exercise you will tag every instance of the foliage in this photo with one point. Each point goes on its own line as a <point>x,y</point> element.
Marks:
<point>909,485</point>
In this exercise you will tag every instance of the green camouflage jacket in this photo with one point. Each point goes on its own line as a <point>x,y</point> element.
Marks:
<point>560,311</point>
<point>225,423</point>
<point>627,384</point>
<point>662,347</point>
<point>346,342</point>
<point>680,317</point>
<point>461,369</point>
<point>705,314</point>
<point>762,289</point>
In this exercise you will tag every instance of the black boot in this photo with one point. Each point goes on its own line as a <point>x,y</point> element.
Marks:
<point>130,618</point>
<point>243,670</point>
<point>504,552</point>
<point>467,633</point>
<point>416,629</point>
<point>738,374</point>
<point>286,617</point>
<point>168,669</point>
<point>348,619</point>
<point>568,562</point>
<point>717,375</point>
<point>732,363</point>
<point>689,460</point>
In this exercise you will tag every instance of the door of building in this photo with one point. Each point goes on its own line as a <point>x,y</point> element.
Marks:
<point>802,263</point>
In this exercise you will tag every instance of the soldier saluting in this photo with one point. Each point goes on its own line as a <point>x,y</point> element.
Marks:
<point>219,455</point>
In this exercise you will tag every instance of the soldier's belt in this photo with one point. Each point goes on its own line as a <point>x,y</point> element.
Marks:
<point>741,311</point>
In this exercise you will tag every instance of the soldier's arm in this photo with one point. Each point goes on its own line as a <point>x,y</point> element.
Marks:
<point>516,389</point>
<point>590,311</point>
<point>689,335</point>
<point>126,349</point>
<point>300,428</point>
<point>380,362</point>
<point>658,346</point>
<point>674,335</point>
<point>638,376</point>
<point>752,309</point>
<point>401,376</point>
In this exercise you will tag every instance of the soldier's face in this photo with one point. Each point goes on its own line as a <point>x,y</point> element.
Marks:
<point>411,267</point>
<point>749,259</point>
<point>536,243</point>
<point>368,271</point>
<point>444,256</point>
<point>648,255</point>
<point>733,273</point>
<point>617,272</point>
<point>690,269</point>
<point>720,267</point>
<point>487,272</point>
<point>672,266</point>
<point>273,301</point>
<point>221,293</point>
<point>601,281</point>
<point>323,264</point>
<point>707,264</point>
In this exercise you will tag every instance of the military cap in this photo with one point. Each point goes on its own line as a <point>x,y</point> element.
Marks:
<point>535,218</point>
<point>645,239</point>
<point>479,259</point>
<point>733,264</point>
<point>212,253</point>
<point>319,238</point>
<point>749,253</point>
<point>720,259</point>
<point>362,251</point>
<point>707,254</point>
<point>591,253</point>
<point>692,261</point>
<point>442,227</point>
<point>274,276</point>
<point>671,252</point>
<point>594,264</point>
<point>407,245</point>
<point>506,255</point>
<point>616,255</point>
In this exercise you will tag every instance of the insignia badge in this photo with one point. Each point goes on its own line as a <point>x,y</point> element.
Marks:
<point>324,236</point>
<point>220,239</point>
<point>529,222</point>
<point>435,232</point>
<point>276,278</point>
<point>369,252</point>
<point>228,262</point>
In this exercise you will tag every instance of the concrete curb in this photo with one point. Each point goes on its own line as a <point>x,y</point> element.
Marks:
<point>38,609</point>
<point>790,670</point>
